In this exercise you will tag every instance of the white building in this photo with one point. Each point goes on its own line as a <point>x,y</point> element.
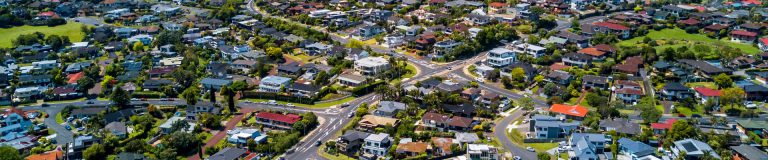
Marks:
<point>482,152</point>
<point>173,61</point>
<point>533,50</point>
<point>168,125</point>
<point>48,64</point>
<point>377,144</point>
<point>370,66</point>
<point>273,83</point>
<point>241,136</point>
<point>500,57</point>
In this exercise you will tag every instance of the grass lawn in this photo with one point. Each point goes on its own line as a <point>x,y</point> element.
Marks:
<point>316,105</point>
<point>326,155</point>
<point>411,72</point>
<point>331,96</point>
<point>517,138</point>
<point>59,118</point>
<point>71,29</point>
<point>679,34</point>
<point>304,58</point>
<point>688,111</point>
<point>710,85</point>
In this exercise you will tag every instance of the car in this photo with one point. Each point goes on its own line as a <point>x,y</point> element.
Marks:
<point>80,128</point>
<point>170,99</point>
<point>517,158</point>
<point>143,99</point>
<point>318,143</point>
<point>530,149</point>
<point>695,115</point>
<point>344,105</point>
<point>89,102</point>
<point>134,99</point>
<point>479,80</point>
<point>290,105</point>
<point>44,105</point>
<point>69,119</point>
<point>351,115</point>
<point>68,127</point>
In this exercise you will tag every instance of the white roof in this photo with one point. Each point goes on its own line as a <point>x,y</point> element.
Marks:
<point>372,61</point>
<point>170,121</point>
<point>500,50</point>
<point>80,44</point>
<point>478,147</point>
<point>377,137</point>
<point>530,46</point>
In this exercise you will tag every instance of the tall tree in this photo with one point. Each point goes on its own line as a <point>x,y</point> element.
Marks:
<point>95,151</point>
<point>9,153</point>
<point>230,95</point>
<point>723,81</point>
<point>191,95</point>
<point>120,97</point>
<point>85,83</point>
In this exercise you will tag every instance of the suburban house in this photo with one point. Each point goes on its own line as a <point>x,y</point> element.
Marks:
<point>675,90</point>
<point>229,153</point>
<point>594,82</point>
<point>410,149</point>
<point>559,77</point>
<point>370,31</point>
<point>607,27</point>
<point>166,128</point>
<point>117,129</point>
<point>743,36</point>
<point>75,149</point>
<point>14,124</point>
<point>635,149</point>
<point>276,120</point>
<point>371,66</point>
<point>432,120</point>
<point>482,152</point>
<point>351,80</point>
<point>240,136</point>
<point>351,141</point>
<point>442,146</point>
<point>500,57</point>
<point>620,125</point>
<point>706,94</point>
<point>575,112</point>
<point>273,84</point>
<point>214,83</point>
<point>389,108</point>
<point>369,123</point>
<point>576,59</point>
<point>193,111</point>
<point>748,152</point>
<point>376,145</point>
<point>662,127</point>
<point>544,127</point>
<point>529,49</point>
<point>693,149</point>
<point>586,145</point>
<point>762,43</point>
<point>702,68</point>
<point>303,90</point>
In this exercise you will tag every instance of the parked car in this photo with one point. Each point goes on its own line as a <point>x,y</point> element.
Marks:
<point>44,105</point>
<point>517,158</point>
<point>530,149</point>
<point>134,99</point>
<point>290,105</point>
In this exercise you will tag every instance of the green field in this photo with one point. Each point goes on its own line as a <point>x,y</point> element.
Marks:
<point>71,29</point>
<point>683,38</point>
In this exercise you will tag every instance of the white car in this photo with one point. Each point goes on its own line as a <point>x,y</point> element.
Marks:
<point>517,158</point>
<point>480,80</point>
<point>530,149</point>
<point>290,105</point>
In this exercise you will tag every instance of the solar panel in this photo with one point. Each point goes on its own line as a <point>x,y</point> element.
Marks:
<point>689,147</point>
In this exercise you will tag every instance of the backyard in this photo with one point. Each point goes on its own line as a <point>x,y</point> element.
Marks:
<point>677,37</point>
<point>71,29</point>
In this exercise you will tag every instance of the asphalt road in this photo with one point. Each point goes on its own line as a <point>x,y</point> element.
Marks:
<point>500,131</point>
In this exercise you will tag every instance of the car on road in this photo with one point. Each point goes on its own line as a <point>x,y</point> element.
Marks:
<point>290,105</point>
<point>344,105</point>
<point>517,158</point>
<point>67,127</point>
<point>318,143</point>
<point>352,114</point>
<point>134,99</point>
<point>89,102</point>
<point>530,149</point>
<point>44,105</point>
<point>143,99</point>
<point>272,102</point>
<point>479,80</point>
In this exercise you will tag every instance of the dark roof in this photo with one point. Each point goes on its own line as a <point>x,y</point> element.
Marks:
<point>577,56</point>
<point>595,79</point>
<point>621,125</point>
<point>463,109</point>
<point>292,67</point>
<point>755,88</point>
<point>704,66</point>
<point>353,135</point>
<point>750,152</point>
<point>674,86</point>
<point>228,153</point>
<point>304,87</point>
<point>120,115</point>
<point>130,156</point>
<point>559,75</point>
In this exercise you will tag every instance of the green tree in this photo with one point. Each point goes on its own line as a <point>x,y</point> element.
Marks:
<point>179,126</point>
<point>85,83</point>
<point>731,96</point>
<point>120,97</point>
<point>681,129</point>
<point>191,95</point>
<point>723,81</point>
<point>543,156</point>
<point>9,153</point>
<point>274,53</point>
<point>230,95</point>
<point>138,46</point>
<point>649,112</point>
<point>95,151</point>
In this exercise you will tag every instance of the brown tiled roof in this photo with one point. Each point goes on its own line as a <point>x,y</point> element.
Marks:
<point>460,121</point>
<point>413,147</point>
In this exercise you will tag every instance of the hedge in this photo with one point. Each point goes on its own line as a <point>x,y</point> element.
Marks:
<point>365,89</point>
<point>150,94</point>
<point>278,97</point>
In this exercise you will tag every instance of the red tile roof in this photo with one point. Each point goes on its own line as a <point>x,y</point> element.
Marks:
<point>755,2</point>
<point>665,125</point>
<point>707,92</point>
<point>51,155</point>
<point>46,14</point>
<point>763,40</point>
<point>689,21</point>
<point>743,33</point>
<point>498,4</point>
<point>592,52</point>
<point>460,121</point>
<point>558,66</point>
<point>631,91</point>
<point>627,83</point>
<point>613,26</point>
<point>574,110</point>
<point>288,118</point>
<point>74,77</point>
